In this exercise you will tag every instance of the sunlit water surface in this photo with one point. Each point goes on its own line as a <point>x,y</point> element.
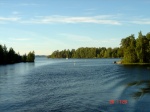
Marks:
<point>73,85</point>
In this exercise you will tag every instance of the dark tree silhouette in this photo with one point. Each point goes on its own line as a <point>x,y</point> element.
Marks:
<point>10,56</point>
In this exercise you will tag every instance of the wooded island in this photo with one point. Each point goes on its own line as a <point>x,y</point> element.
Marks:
<point>10,56</point>
<point>131,50</point>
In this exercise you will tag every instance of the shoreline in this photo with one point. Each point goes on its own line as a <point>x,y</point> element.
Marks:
<point>135,63</point>
<point>120,62</point>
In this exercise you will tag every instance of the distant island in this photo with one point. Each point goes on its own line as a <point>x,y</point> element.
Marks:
<point>10,56</point>
<point>132,51</point>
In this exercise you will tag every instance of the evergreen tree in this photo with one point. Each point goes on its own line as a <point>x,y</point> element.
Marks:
<point>128,45</point>
<point>24,58</point>
<point>140,47</point>
<point>131,50</point>
<point>31,57</point>
<point>10,57</point>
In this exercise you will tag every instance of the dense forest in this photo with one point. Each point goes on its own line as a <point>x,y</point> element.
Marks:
<point>136,50</point>
<point>131,50</point>
<point>10,56</point>
<point>87,52</point>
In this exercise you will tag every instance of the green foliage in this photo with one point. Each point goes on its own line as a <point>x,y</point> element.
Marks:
<point>131,50</point>
<point>87,52</point>
<point>108,53</point>
<point>10,56</point>
<point>24,58</point>
<point>30,57</point>
<point>136,50</point>
<point>148,36</point>
<point>128,45</point>
<point>130,55</point>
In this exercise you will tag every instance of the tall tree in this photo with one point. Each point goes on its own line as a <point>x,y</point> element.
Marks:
<point>128,45</point>
<point>31,57</point>
<point>141,53</point>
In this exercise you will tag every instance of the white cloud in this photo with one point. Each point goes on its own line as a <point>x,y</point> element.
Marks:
<point>142,21</point>
<point>57,19</point>
<point>9,19</point>
<point>102,19</point>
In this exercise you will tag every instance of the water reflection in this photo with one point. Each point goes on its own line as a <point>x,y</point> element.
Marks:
<point>14,73</point>
<point>144,88</point>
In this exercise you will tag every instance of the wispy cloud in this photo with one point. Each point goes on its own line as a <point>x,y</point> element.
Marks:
<point>141,21</point>
<point>102,19</point>
<point>79,38</point>
<point>9,19</point>
<point>21,4</point>
<point>58,19</point>
<point>89,41</point>
<point>27,4</point>
<point>20,39</point>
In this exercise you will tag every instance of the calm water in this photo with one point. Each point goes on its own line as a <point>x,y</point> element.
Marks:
<point>74,85</point>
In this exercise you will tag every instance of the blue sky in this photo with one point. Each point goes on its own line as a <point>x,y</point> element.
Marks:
<point>48,25</point>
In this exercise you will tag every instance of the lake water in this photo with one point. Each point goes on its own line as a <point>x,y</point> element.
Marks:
<point>74,85</point>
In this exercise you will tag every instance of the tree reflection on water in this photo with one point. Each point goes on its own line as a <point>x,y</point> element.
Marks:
<point>142,90</point>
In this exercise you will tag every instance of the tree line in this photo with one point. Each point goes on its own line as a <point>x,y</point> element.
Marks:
<point>131,50</point>
<point>10,56</point>
<point>88,52</point>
